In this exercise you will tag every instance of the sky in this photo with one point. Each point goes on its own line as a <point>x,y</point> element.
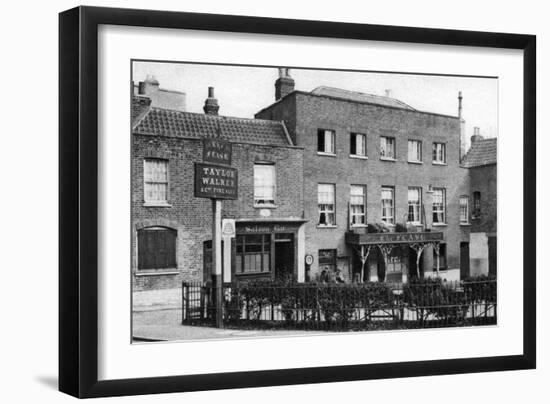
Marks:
<point>244,90</point>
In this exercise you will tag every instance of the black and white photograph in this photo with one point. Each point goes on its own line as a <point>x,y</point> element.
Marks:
<point>273,201</point>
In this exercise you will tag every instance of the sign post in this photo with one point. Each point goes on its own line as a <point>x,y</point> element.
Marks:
<point>216,180</point>
<point>217,280</point>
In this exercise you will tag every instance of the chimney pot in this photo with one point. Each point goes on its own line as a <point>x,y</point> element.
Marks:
<point>284,85</point>
<point>462,129</point>
<point>211,106</point>
<point>476,137</point>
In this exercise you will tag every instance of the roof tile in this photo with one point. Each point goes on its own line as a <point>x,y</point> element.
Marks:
<point>164,122</point>
<point>482,152</point>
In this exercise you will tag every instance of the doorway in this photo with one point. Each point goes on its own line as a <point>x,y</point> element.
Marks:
<point>464,260</point>
<point>284,256</point>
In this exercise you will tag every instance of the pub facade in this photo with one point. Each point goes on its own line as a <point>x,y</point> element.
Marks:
<point>385,195</point>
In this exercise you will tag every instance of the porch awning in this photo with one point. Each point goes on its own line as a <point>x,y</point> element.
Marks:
<point>393,238</point>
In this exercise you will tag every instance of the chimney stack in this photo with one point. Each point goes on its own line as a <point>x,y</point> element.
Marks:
<point>211,106</point>
<point>476,137</point>
<point>284,85</point>
<point>462,124</point>
<point>149,86</point>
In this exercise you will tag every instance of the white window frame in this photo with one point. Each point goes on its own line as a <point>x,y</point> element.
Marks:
<point>258,200</point>
<point>149,182</point>
<point>388,219</point>
<point>440,208</point>
<point>326,208</point>
<point>327,144</point>
<point>464,209</point>
<point>439,153</point>
<point>362,216</point>
<point>415,204</point>
<point>384,141</point>
<point>414,147</point>
<point>363,143</point>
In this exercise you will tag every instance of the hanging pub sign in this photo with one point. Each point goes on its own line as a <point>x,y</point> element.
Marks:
<point>216,151</point>
<point>215,182</point>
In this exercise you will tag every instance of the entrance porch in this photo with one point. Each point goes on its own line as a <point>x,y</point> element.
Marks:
<point>391,257</point>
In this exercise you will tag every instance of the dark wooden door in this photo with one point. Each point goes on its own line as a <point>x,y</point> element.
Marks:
<point>464,260</point>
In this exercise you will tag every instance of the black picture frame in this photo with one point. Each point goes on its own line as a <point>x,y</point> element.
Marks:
<point>78,206</point>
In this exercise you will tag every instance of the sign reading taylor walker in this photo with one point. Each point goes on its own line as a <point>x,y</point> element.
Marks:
<point>215,182</point>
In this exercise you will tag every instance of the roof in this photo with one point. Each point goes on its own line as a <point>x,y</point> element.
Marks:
<point>165,122</point>
<point>482,152</point>
<point>360,97</point>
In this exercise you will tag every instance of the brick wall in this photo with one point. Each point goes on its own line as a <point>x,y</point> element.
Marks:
<point>191,216</point>
<point>484,180</point>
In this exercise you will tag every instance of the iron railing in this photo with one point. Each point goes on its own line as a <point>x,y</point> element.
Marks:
<point>345,306</point>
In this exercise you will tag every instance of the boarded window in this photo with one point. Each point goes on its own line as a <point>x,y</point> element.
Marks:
<point>156,248</point>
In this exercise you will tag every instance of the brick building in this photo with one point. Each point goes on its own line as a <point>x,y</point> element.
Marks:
<point>171,238</point>
<point>374,163</point>
<point>481,160</point>
<point>357,186</point>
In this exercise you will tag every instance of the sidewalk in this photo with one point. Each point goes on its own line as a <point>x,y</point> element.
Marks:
<point>165,325</point>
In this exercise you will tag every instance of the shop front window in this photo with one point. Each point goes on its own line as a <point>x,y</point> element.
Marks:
<point>253,253</point>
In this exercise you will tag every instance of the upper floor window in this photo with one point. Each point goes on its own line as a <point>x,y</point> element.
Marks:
<point>387,197</point>
<point>358,145</point>
<point>415,151</point>
<point>325,197</point>
<point>325,141</point>
<point>438,207</point>
<point>463,205</point>
<point>476,211</point>
<point>415,205</point>
<point>357,205</point>
<point>387,147</point>
<point>264,184</point>
<point>155,175</point>
<point>439,153</point>
<point>156,248</point>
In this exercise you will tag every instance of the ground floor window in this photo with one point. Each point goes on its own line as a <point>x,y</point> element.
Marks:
<point>253,253</point>
<point>156,248</point>
<point>442,257</point>
<point>327,264</point>
<point>394,263</point>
